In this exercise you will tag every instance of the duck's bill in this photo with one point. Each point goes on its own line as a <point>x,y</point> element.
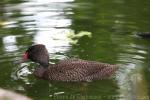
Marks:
<point>24,59</point>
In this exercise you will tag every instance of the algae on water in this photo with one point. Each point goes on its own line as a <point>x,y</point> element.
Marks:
<point>73,37</point>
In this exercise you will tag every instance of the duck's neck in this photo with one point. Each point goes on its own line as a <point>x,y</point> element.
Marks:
<point>39,72</point>
<point>44,65</point>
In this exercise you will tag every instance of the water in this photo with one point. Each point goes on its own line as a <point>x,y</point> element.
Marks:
<point>112,24</point>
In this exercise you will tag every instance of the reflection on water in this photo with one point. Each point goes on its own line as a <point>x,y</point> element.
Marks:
<point>9,43</point>
<point>46,18</point>
<point>54,39</point>
<point>62,25</point>
<point>131,76</point>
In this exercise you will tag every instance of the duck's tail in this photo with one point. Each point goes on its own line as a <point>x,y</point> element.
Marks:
<point>108,71</point>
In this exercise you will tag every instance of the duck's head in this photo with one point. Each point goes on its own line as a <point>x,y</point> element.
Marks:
<point>37,53</point>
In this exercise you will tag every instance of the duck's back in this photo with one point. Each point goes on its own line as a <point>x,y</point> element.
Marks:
<point>79,70</point>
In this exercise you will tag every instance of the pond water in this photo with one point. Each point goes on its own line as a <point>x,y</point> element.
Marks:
<point>99,30</point>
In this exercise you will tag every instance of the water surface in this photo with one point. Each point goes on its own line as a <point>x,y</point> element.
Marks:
<point>57,24</point>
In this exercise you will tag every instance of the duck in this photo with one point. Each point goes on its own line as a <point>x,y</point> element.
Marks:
<point>68,70</point>
<point>144,34</point>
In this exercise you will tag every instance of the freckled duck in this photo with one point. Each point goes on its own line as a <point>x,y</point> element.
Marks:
<point>144,34</point>
<point>69,69</point>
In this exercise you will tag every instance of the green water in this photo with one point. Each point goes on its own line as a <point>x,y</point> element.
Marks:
<point>113,25</point>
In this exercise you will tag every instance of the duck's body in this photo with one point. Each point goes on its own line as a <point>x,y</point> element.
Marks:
<point>73,69</point>
<point>76,70</point>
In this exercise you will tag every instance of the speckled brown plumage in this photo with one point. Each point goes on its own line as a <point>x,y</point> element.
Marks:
<point>77,70</point>
<point>74,70</point>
